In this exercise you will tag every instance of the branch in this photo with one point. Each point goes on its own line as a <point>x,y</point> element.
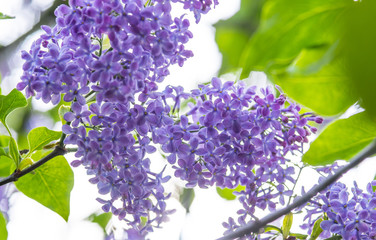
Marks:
<point>255,227</point>
<point>17,174</point>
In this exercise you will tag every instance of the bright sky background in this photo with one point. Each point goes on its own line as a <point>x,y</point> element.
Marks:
<point>30,220</point>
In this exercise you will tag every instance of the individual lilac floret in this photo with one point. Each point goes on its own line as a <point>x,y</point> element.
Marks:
<point>77,115</point>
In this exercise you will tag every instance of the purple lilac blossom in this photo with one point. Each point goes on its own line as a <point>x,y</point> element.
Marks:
<point>103,80</point>
<point>231,136</point>
<point>350,214</point>
<point>230,144</point>
<point>144,40</point>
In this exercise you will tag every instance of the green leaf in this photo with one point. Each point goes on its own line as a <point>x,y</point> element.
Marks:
<point>39,137</point>
<point>62,111</point>
<point>4,146</point>
<point>228,193</point>
<point>8,103</point>
<point>269,228</point>
<point>6,165</point>
<point>3,16</point>
<point>237,29</point>
<point>26,162</point>
<point>360,51</point>
<point>288,26</point>
<point>13,151</point>
<point>3,228</point>
<point>342,139</point>
<point>4,151</point>
<point>144,220</point>
<point>286,226</point>
<point>317,78</point>
<point>50,185</point>
<point>317,230</point>
<point>186,198</point>
<point>225,38</point>
<point>4,141</point>
<point>299,236</point>
<point>102,219</point>
<point>19,118</point>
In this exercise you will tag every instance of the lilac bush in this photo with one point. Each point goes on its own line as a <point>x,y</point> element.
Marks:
<point>107,58</point>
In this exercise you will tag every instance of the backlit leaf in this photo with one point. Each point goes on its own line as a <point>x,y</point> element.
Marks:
<point>228,193</point>
<point>6,165</point>
<point>41,136</point>
<point>15,99</point>
<point>288,26</point>
<point>4,16</point>
<point>317,230</point>
<point>360,50</point>
<point>341,140</point>
<point>286,226</point>
<point>101,219</point>
<point>186,198</point>
<point>3,228</point>
<point>233,34</point>
<point>13,151</point>
<point>317,81</point>
<point>50,185</point>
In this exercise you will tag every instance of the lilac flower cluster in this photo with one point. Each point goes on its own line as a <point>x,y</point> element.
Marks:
<point>233,136</point>
<point>350,215</point>
<point>115,150</point>
<point>230,136</point>
<point>106,57</point>
<point>71,58</point>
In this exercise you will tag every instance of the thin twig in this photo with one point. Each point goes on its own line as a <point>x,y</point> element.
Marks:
<point>296,181</point>
<point>17,174</point>
<point>255,227</point>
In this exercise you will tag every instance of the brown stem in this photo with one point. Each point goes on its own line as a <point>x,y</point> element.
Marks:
<point>17,174</point>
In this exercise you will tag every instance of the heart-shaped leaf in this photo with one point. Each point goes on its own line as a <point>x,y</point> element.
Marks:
<point>15,99</point>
